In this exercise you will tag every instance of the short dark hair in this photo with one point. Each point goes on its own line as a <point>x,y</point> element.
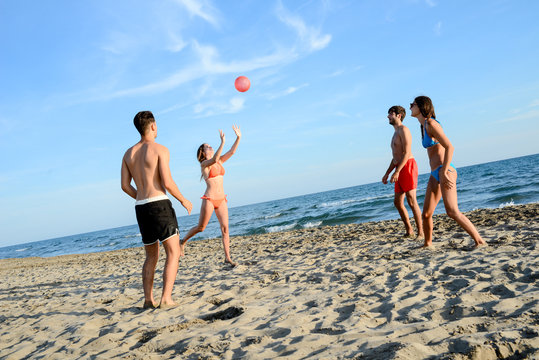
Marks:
<point>397,109</point>
<point>142,120</point>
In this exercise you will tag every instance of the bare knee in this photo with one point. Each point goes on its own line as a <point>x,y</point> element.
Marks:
<point>173,253</point>
<point>200,228</point>
<point>453,213</point>
<point>426,216</point>
<point>411,200</point>
<point>224,230</point>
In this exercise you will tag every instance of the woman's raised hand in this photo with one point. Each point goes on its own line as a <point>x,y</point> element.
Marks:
<point>237,130</point>
<point>222,136</point>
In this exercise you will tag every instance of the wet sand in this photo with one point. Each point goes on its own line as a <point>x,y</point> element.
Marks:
<point>344,292</point>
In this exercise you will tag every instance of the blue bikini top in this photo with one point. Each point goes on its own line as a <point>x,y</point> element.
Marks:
<point>426,139</point>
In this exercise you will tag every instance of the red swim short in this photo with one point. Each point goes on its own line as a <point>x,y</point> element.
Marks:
<point>407,177</point>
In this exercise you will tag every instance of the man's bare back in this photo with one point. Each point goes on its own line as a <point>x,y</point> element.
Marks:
<point>142,161</point>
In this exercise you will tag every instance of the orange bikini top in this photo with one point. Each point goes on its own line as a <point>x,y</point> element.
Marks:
<point>216,170</point>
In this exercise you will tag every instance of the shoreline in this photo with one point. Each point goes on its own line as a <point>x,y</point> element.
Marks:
<point>237,236</point>
<point>344,291</point>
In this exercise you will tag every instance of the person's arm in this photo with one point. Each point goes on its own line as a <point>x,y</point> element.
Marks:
<point>168,182</point>
<point>438,133</point>
<point>232,150</point>
<point>217,156</point>
<point>406,140</point>
<point>389,169</point>
<point>126,181</point>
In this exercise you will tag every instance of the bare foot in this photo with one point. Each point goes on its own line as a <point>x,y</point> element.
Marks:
<point>420,237</point>
<point>167,305</point>
<point>182,248</point>
<point>427,245</point>
<point>480,245</point>
<point>149,305</point>
<point>231,263</point>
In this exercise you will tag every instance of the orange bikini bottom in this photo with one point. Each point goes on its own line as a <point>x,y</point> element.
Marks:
<point>215,202</point>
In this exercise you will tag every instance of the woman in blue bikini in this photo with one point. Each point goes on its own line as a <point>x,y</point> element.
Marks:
<point>443,179</point>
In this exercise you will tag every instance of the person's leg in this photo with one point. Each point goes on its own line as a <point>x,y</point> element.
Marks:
<point>399,204</point>
<point>222,216</point>
<point>412,201</point>
<point>206,209</point>
<point>432,197</point>
<point>148,271</point>
<point>452,210</point>
<point>172,250</point>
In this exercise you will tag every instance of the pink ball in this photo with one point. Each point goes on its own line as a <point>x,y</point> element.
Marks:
<point>242,83</point>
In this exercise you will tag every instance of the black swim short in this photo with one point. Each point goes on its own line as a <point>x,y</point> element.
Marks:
<point>156,221</point>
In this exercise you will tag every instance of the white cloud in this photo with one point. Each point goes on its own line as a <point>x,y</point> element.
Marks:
<point>438,28</point>
<point>202,9</point>
<point>234,105</point>
<point>336,73</point>
<point>430,3</point>
<point>340,72</point>
<point>176,42</point>
<point>309,36</point>
<point>342,114</point>
<point>288,91</point>
<point>524,116</point>
<point>208,63</point>
<point>119,43</point>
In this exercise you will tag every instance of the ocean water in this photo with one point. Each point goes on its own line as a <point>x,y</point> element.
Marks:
<point>490,185</point>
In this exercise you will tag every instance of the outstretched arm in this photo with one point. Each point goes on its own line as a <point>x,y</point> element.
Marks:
<point>217,156</point>
<point>232,150</point>
<point>126,181</point>
<point>168,182</point>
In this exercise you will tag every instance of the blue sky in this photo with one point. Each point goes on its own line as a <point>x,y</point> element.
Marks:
<point>323,74</point>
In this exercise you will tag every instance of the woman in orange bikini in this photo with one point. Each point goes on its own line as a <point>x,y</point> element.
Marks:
<point>214,199</point>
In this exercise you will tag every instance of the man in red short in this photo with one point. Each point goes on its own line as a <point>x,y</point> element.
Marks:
<point>405,175</point>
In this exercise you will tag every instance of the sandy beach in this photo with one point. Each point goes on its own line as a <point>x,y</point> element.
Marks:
<point>358,291</point>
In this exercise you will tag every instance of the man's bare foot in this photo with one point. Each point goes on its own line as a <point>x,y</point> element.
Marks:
<point>427,245</point>
<point>149,305</point>
<point>408,235</point>
<point>420,237</point>
<point>167,305</point>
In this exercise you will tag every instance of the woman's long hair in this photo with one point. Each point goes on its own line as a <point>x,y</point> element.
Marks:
<point>201,157</point>
<point>200,153</point>
<point>424,103</point>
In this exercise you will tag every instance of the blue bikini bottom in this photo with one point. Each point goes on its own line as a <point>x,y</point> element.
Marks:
<point>436,172</point>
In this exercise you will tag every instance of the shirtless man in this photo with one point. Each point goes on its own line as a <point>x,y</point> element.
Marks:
<point>147,163</point>
<point>405,175</point>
